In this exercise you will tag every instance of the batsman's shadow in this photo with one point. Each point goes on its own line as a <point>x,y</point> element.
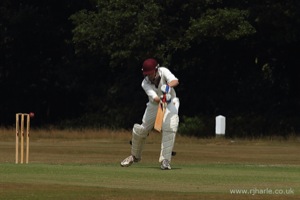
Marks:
<point>158,168</point>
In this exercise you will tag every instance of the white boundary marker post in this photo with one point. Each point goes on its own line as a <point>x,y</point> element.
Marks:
<point>220,125</point>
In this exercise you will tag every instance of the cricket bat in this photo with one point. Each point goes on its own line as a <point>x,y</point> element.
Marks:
<point>160,115</point>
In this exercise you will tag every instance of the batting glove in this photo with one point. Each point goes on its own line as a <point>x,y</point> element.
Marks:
<point>166,89</point>
<point>166,98</point>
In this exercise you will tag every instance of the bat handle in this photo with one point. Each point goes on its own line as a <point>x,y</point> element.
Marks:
<point>164,99</point>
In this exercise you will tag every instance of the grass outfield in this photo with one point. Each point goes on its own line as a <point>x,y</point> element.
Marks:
<point>85,165</point>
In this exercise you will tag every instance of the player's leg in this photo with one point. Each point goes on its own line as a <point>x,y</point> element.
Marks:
<point>169,129</point>
<point>139,135</point>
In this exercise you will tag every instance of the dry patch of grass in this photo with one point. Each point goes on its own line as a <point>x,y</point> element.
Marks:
<point>53,133</point>
<point>98,145</point>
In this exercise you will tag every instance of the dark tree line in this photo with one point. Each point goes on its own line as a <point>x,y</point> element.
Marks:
<point>77,63</point>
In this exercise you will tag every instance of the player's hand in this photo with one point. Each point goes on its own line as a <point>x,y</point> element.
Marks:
<point>165,98</point>
<point>166,89</point>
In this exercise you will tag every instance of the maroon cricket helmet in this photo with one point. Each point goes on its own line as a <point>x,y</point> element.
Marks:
<point>149,66</point>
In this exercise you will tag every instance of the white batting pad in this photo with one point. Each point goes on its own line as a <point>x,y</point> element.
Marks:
<point>169,129</point>
<point>167,144</point>
<point>139,136</point>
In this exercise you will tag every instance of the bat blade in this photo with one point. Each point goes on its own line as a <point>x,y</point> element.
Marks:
<point>159,117</point>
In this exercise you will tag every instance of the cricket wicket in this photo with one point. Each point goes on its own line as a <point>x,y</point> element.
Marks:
<point>20,134</point>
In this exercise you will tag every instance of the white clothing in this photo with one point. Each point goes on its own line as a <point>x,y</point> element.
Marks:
<point>152,91</point>
<point>170,121</point>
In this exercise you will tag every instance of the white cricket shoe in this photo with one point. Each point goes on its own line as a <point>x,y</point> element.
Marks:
<point>129,160</point>
<point>165,164</point>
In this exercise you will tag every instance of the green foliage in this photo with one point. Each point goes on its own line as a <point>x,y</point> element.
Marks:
<point>130,30</point>
<point>227,24</point>
<point>119,29</point>
<point>195,126</point>
<point>256,126</point>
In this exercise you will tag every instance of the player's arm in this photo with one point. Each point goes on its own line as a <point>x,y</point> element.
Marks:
<point>173,83</point>
<point>171,79</point>
<point>150,92</point>
<point>156,99</point>
<point>166,88</point>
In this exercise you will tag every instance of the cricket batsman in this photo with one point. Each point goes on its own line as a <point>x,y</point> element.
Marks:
<point>158,82</point>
